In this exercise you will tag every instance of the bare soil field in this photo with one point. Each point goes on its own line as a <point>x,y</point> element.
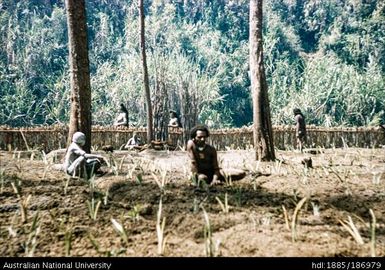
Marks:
<point>146,205</point>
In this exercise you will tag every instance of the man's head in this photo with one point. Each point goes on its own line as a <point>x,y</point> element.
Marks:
<point>199,134</point>
<point>79,138</point>
<point>173,114</point>
<point>296,111</point>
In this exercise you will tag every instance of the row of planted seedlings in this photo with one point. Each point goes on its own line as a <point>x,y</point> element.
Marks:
<point>137,168</point>
<point>328,170</point>
<point>338,175</point>
<point>25,225</point>
<point>140,170</point>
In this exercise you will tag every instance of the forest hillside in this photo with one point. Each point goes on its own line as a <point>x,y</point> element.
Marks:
<point>325,57</point>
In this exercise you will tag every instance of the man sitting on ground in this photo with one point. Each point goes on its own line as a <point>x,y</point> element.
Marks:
<point>133,142</point>
<point>204,159</point>
<point>78,162</point>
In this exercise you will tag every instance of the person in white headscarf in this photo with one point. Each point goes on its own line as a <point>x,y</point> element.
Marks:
<point>78,162</point>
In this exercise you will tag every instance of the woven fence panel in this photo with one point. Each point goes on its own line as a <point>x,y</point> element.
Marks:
<point>51,138</point>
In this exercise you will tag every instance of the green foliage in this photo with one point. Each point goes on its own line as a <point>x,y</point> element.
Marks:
<point>326,57</point>
<point>332,93</point>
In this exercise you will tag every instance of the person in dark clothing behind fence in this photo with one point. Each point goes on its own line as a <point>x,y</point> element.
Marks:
<point>300,128</point>
<point>204,159</point>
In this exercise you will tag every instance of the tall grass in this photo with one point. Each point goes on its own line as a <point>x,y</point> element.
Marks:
<point>31,242</point>
<point>160,225</point>
<point>23,202</point>
<point>2,180</point>
<point>120,230</point>
<point>352,229</point>
<point>224,206</point>
<point>162,180</point>
<point>208,235</point>
<point>93,208</point>
<point>295,219</point>
<point>68,242</point>
<point>372,234</point>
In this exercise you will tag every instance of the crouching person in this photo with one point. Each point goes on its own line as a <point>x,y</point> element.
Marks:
<point>134,142</point>
<point>204,159</point>
<point>78,162</point>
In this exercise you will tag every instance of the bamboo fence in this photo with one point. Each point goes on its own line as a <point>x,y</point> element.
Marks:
<point>54,137</point>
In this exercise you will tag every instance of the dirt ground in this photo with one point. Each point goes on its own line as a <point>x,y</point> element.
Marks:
<point>280,209</point>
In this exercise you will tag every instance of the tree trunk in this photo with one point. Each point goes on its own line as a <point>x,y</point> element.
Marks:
<point>263,134</point>
<point>80,118</point>
<point>150,134</point>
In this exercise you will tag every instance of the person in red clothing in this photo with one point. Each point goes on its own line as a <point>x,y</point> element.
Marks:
<point>204,159</point>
